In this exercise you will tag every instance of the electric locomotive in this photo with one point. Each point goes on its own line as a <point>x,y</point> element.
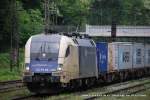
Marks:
<point>54,61</point>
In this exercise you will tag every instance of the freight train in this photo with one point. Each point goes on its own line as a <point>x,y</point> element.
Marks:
<point>54,61</point>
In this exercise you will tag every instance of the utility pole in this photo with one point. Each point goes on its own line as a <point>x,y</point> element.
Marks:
<point>47,20</point>
<point>50,16</point>
<point>113,24</point>
<point>14,48</point>
<point>113,29</point>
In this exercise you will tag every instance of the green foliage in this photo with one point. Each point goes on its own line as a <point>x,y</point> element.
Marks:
<point>30,23</point>
<point>5,24</point>
<point>31,4</point>
<point>4,60</point>
<point>30,15</point>
<point>146,4</point>
<point>74,12</point>
<point>124,12</point>
<point>5,73</point>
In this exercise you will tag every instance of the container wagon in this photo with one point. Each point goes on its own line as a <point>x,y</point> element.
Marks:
<point>122,60</point>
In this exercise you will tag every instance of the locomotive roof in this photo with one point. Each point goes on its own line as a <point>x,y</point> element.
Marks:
<point>56,38</point>
<point>46,37</point>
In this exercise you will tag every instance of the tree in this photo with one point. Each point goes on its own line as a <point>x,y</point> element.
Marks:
<point>103,11</point>
<point>30,22</point>
<point>74,12</point>
<point>124,12</point>
<point>5,24</point>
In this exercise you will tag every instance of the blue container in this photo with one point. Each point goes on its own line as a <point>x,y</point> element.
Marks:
<point>102,55</point>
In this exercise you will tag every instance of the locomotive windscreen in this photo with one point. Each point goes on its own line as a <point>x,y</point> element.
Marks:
<point>45,49</point>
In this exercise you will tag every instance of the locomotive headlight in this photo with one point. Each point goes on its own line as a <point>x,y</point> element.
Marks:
<point>44,55</point>
<point>27,68</point>
<point>27,71</point>
<point>59,68</point>
<point>58,71</point>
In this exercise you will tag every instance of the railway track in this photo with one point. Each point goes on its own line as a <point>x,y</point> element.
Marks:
<point>124,89</point>
<point>8,86</point>
<point>31,96</point>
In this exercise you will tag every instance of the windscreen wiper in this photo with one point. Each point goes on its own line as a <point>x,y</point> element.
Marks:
<point>39,53</point>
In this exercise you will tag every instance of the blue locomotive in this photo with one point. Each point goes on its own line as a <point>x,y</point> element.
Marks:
<point>54,61</point>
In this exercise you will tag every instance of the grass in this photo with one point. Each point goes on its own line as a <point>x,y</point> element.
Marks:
<point>5,72</point>
<point>14,94</point>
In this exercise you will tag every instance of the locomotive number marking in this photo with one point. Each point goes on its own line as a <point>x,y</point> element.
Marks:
<point>42,69</point>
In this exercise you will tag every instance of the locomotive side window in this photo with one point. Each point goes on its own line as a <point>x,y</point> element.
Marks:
<point>67,52</point>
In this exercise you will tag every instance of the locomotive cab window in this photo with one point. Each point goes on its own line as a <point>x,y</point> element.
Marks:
<point>67,51</point>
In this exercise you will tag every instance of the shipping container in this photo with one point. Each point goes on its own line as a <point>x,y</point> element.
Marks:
<point>138,55</point>
<point>119,56</point>
<point>147,55</point>
<point>102,56</point>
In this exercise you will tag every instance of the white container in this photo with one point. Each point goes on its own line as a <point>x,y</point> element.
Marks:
<point>138,55</point>
<point>147,55</point>
<point>119,56</point>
